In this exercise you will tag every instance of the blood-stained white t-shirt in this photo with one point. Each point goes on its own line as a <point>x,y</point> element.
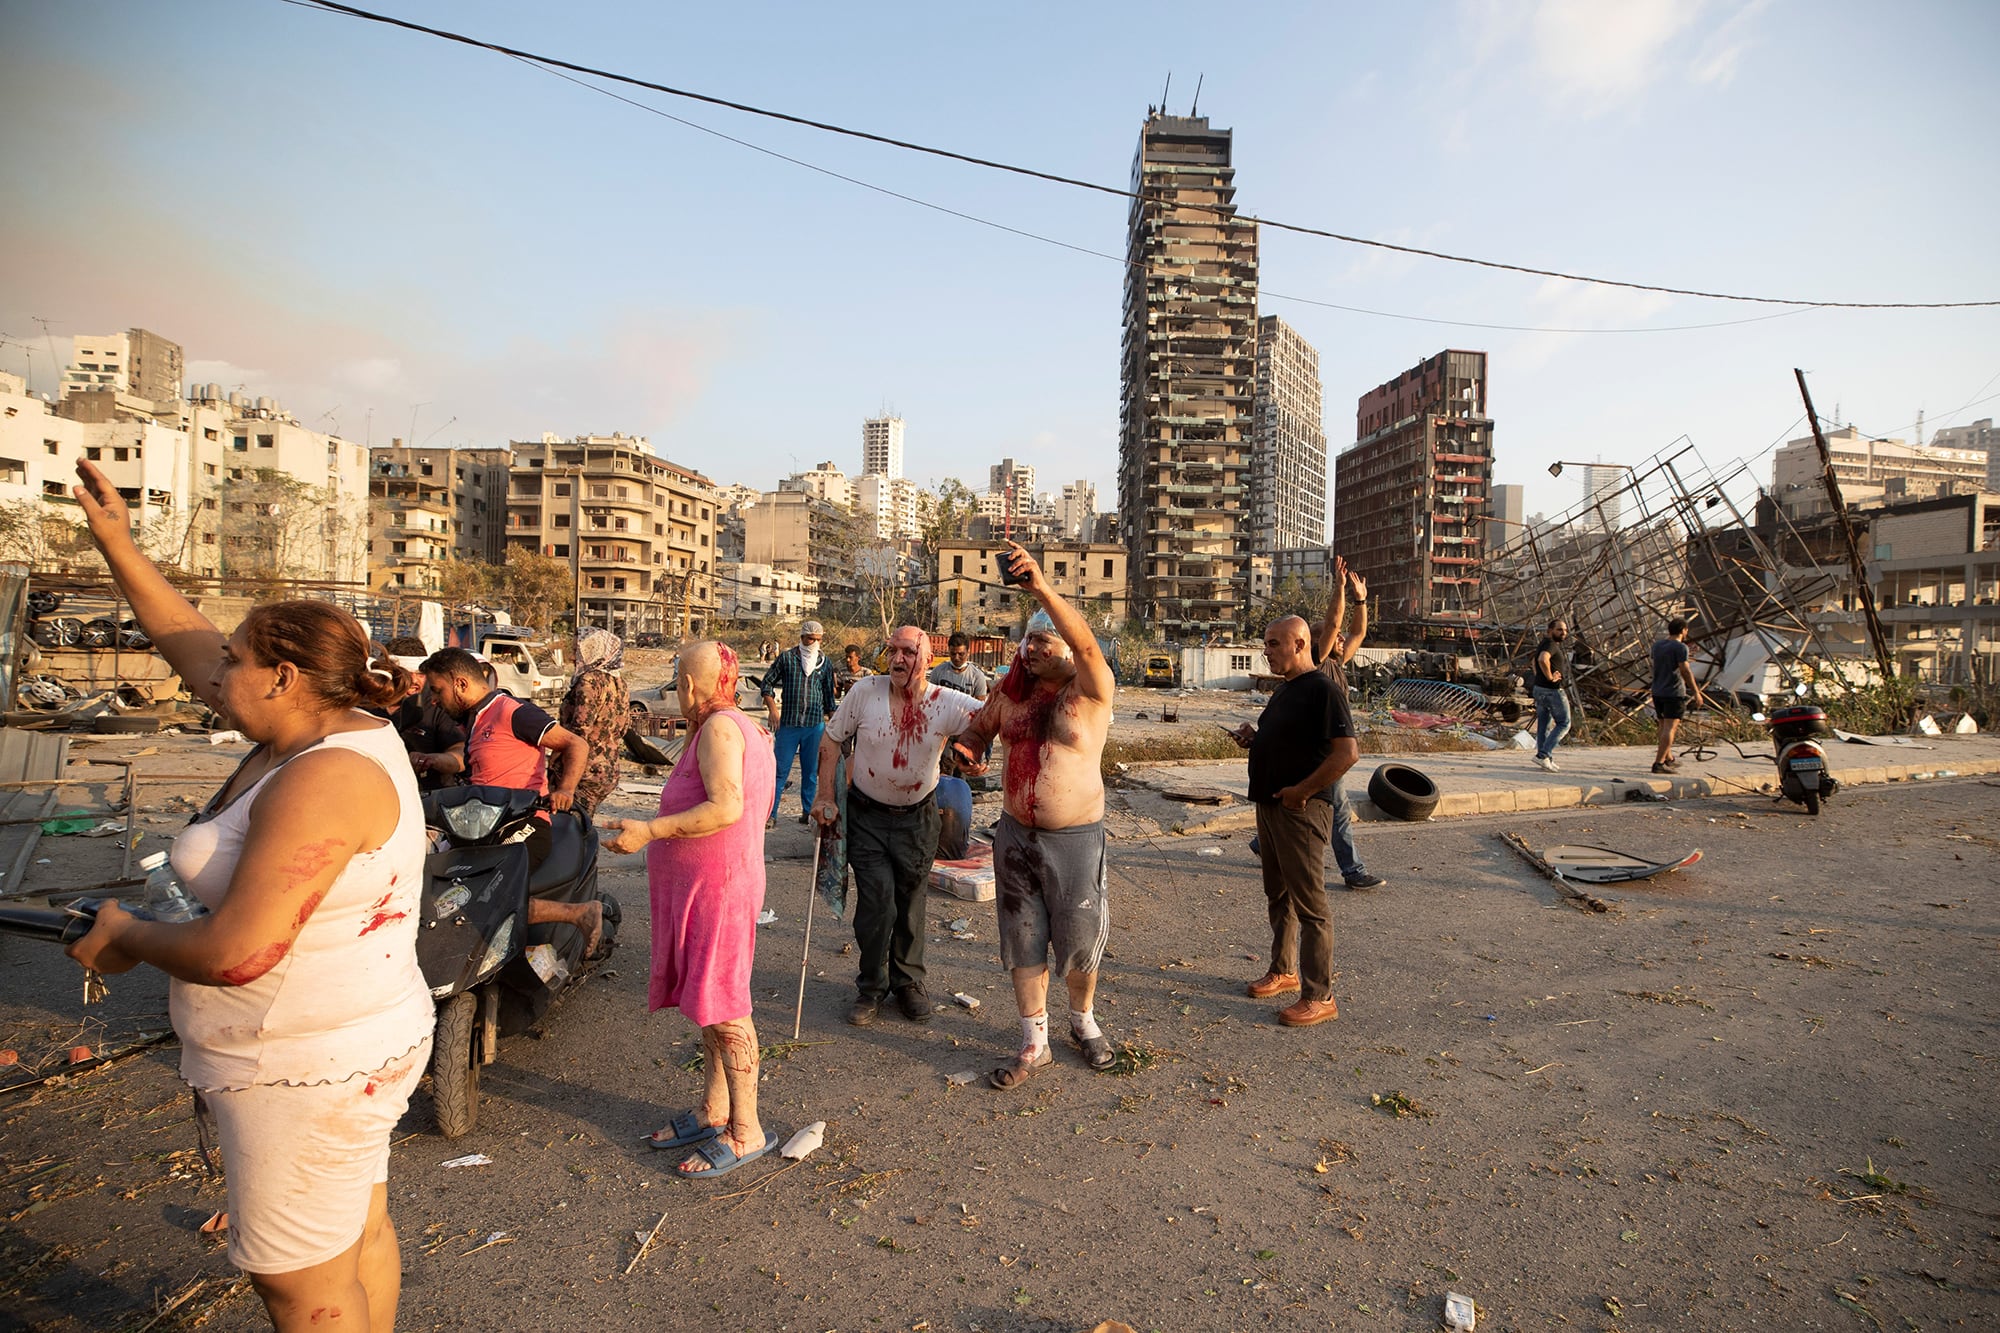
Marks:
<point>896,747</point>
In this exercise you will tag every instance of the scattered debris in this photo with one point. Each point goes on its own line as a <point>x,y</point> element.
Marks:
<point>805,1142</point>
<point>1459,1312</point>
<point>216,1224</point>
<point>1576,896</point>
<point>1208,851</point>
<point>1604,865</point>
<point>766,917</point>
<point>960,1079</point>
<point>1399,1104</point>
<point>470,1159</point>
<point>492,1238</point>
<point>225,737</point>
<point>645,1239</point>
<point>964,1001</point>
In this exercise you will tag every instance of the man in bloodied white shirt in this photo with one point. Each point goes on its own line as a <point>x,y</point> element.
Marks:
<point>899,724</point>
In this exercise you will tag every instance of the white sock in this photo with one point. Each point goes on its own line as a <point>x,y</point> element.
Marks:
<point>1035,1031</point>
<point>1083,1022</point>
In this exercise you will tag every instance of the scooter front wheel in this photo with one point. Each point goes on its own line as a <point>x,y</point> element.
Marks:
<point>455,1066</point>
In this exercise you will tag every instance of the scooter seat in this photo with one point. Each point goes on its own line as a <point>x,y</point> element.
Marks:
<point>564,862</point>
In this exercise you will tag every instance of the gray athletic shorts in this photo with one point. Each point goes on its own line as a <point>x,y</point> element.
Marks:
<point>1052,893</point>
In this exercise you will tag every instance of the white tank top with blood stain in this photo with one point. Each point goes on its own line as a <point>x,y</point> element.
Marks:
<point>348,996</point>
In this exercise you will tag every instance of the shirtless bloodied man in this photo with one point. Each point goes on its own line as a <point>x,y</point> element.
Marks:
<point>1052,710</point>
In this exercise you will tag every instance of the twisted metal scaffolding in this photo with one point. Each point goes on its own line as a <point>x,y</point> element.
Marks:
<point>1671,542</point>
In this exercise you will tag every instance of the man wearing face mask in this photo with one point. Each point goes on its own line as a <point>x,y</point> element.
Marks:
<point>798,692</point>
<point>1551,701</point>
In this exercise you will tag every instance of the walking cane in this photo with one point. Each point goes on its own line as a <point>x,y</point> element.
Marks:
<point>812,892</point>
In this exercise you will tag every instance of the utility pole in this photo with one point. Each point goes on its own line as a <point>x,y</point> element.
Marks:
<point>1863,590</point>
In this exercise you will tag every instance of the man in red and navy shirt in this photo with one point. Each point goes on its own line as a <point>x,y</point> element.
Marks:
<point>506,744</point>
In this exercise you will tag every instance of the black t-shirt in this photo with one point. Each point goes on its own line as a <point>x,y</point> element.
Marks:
<point>1558,652</point>
<point>1296,733</point>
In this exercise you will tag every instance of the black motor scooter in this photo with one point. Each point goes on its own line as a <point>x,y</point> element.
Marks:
<point>1803,775</point>
<point>492,974</point>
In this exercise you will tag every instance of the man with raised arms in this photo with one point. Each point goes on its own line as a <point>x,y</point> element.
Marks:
<point>1052,710</point>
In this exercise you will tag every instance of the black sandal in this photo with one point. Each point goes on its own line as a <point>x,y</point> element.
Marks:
<point>1097,1052</point>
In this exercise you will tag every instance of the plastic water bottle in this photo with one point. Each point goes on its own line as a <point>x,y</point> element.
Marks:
<point>167,899</point>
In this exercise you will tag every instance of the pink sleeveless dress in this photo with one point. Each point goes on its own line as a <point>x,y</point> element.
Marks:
<point>707,891</point>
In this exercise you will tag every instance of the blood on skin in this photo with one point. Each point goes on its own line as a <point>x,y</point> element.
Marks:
<point>1027,737</point>
<point>256,965</point>
<point>307,907</point>
<point>381,919</point>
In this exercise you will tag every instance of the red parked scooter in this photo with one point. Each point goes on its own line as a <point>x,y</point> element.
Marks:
<point>1803,775</point>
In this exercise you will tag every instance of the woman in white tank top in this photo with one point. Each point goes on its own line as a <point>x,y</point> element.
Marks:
<point>303,1017</point>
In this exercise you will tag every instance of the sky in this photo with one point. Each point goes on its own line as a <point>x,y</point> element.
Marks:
<point>399,237</point>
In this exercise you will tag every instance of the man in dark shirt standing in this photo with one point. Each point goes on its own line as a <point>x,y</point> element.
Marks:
<point>1334,645</point>
<point>1300,747</point>
<point>1673,687</point>
<point>1551,703</point>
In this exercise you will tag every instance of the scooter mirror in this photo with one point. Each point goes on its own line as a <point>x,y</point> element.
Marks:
<point>1759,717</point>
<point>1799,689</point>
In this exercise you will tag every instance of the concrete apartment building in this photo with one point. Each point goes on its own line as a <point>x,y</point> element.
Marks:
<point>825,482</point>
<point>1077,512</point>
<point>887,506</point>
<point>426,506</point>
<point>1092,576</point>
<point>1411,495</point>
<point>111,371</point>
<point>1979,437</point>
<point>753,592</point>
<point>220,486</point>
<point>1870,471</point>
<point>1187,376</point>
<point>798,531</point>
<point>882,447</point>
<point>1287,443</point>
<point>640,531</point>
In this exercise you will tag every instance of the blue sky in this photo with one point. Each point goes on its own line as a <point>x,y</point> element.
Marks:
<point>380,229</point>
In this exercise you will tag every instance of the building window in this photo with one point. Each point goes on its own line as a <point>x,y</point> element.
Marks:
<point>1062,568</point>
<point>1239,661</point>
<point>597,581</point>
<point>562,549</point>
<point>399,547</point>
<point>48,446</point>
<point>425,468</point>
<point>704,513</point>
<point>1107,569</point>
<point>704,539</point>
<point>684,508</point>
<point>121,455</point>
<point>957,567</point>
<point>266,441</point>
<point>240,443</point>
<point>94,454</point>
<point>210,433</point>
<point>562,520</point>
<point>659,529</point>
<point>618,525</point>
<point>562,489</point>
<point>618,585</point>
<point>14,471</point>
<point>598,492</point>
<point>54,490</point>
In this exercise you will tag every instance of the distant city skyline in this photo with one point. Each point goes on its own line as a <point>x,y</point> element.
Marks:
<point>449,247</point>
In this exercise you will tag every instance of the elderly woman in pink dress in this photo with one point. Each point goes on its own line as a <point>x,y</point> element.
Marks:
<point>705,871</point>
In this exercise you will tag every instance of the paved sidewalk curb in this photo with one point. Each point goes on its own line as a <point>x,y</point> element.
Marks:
<point>1493,783</point>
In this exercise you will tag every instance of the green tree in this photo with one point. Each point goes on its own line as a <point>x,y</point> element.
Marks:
<point>535,588</point>
<point>466,582</point>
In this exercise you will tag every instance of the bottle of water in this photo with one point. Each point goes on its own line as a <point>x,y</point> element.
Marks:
<point>167,899</point>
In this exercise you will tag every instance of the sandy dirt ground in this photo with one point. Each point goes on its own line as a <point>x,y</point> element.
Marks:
<point>1756,1095</point>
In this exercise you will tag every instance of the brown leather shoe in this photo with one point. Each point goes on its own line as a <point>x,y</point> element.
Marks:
<point>1272,983</point>
<point>1308,1012</point>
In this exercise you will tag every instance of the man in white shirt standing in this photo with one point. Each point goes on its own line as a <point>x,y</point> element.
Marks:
<point>899,724</point>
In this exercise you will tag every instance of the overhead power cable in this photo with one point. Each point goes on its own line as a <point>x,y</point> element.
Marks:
<point>1122,261</point>
<point>1229,213</point>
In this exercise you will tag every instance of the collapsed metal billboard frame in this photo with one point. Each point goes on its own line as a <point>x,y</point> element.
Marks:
<point>1670,542</point>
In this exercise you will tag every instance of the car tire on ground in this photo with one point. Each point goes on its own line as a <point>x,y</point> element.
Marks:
<point>1401,792</point>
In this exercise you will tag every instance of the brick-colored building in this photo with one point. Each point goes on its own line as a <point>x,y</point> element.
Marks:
<point>429,505</point>
<point>1410,495</point>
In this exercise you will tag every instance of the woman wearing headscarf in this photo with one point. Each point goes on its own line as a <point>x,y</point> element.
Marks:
<point>303,1018</point>
<point>598,709</point>
<point>705,871</point>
